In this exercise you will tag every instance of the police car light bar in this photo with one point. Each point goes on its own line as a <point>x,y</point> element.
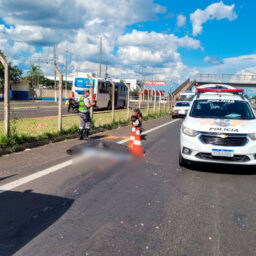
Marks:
<point>220,90</point>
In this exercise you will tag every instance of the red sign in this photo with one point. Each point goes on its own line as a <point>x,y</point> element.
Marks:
<point>154,83</point>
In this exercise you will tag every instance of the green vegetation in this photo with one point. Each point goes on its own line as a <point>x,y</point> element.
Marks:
<point>34,76</point>
<point>35,130</point>
<point>15,73</point>
<point>134,92</point>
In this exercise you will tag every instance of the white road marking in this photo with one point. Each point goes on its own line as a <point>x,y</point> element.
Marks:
<point>55,168</point>
<point>34,176</point>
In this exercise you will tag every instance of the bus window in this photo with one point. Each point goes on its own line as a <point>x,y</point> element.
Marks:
<point>100,87</point>
<point>109,87</point>
<point>103,87</point>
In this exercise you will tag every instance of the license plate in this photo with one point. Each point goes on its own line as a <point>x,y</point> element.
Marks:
<point>182,112</point>
<point>223,152</point>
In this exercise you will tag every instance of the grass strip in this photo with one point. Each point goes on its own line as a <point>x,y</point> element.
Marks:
<point>32,132</point>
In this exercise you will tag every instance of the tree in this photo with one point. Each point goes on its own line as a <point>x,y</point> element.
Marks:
<point>34,75</point>
<point>46,82</point>
<point>135,92</point>
<point>14,71</point>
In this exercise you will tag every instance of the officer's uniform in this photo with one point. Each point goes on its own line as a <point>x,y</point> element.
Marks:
<point>85,119</point>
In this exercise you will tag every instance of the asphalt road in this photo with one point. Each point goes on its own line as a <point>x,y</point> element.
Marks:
<point>106,207</point>
<point>34,112</point>
<point>41,110</point>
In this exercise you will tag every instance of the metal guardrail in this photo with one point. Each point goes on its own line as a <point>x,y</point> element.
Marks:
<point>226,78</point>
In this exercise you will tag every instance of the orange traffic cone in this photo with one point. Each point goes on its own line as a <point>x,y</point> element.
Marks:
<point>132,137</point>
<point>137,148</point>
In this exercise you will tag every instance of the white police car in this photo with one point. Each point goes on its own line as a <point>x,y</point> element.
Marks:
<point>180,109</point>
<point>219,128</point>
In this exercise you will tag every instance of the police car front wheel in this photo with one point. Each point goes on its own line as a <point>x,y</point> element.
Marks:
<point>182,162</point>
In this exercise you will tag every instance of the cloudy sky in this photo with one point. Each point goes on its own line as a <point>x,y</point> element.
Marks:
<point>176,39</point>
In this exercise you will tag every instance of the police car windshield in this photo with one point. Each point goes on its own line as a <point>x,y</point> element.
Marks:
<point>222,109</point>
<point>182,104</point>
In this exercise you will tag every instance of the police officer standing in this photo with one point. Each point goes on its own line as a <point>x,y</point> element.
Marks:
<point>84,113</point>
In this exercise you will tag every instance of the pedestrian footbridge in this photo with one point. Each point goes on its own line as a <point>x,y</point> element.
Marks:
<point>238,80</point>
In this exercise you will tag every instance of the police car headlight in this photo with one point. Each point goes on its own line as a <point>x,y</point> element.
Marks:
<point>252,136</point>
<point>189,132</point>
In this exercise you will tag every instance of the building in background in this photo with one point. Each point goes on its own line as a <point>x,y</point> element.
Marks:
<point>19,90</point>
<point>133,83</point>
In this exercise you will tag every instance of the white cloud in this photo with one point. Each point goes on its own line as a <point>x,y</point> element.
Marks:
<point>32,34</point>
<point>63,14</point>
<point>159,9</point>
<point>152,47</point>
<point>157,40</point>
<point>181,20</point>
<point>232,65</point>
<point>52,21</point>
<point>77,26</point>
<point>216,11</point>
<point>212,60</point>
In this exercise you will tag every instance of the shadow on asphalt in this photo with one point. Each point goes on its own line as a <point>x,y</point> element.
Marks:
<point>24,215</point>
<point>223,169</point>
<point>7,177</point>
<point>98,137</point>
<point>144,137</point>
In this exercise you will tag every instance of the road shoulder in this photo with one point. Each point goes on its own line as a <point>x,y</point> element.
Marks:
<point>21,164</point>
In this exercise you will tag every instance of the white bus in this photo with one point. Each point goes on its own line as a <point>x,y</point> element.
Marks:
<point>102,92</point>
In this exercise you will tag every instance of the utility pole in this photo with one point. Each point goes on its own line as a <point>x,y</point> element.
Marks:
<point>6,96</point>
<point>169,94</point>
<point>54,61</point>
<point>60,97</point>
<point>168,103</point>
<point>66,82</point>
<point>106,72</point>
<point>100,56</point>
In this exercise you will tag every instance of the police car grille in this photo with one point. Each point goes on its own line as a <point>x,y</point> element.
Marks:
<point>236,158</point>
<point>229,140</point>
